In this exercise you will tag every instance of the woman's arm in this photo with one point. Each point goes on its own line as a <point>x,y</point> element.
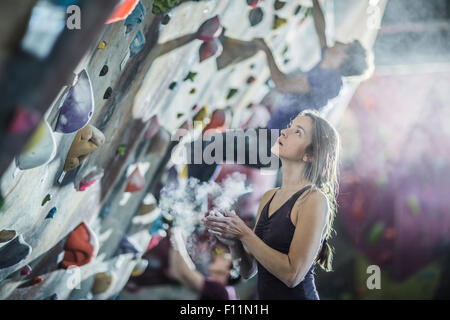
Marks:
<point>289,268</point>
<point>319,23</point>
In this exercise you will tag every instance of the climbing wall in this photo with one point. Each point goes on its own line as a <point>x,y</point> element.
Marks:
<point>136,80</point>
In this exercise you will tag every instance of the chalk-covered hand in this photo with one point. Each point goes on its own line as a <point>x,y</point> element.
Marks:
<point>229,227</point>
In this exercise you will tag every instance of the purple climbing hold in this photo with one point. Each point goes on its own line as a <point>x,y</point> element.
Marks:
<point>26,271</point>
<point>127,247</point>
<point>210,29</point>
<point>78,107</point>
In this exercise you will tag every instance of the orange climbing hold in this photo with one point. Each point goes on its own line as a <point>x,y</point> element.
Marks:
<point>122,11</point>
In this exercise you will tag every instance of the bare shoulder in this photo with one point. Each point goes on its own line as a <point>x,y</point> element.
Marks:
<point>314,200</point>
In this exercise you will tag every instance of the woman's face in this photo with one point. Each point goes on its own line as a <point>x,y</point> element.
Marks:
<point>293,141</point>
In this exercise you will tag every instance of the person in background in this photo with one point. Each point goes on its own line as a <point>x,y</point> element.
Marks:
<point>313,89</point>
<point>216,286</point>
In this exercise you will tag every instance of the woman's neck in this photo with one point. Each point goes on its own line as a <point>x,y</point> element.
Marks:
<point>293,179</point>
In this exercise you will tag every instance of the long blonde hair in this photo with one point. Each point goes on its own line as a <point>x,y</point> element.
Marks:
<point>323,173</point>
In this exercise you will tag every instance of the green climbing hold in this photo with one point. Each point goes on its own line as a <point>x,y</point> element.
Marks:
<point>308,12</point>
<point>191,76</point>
<point>179,115</point>
<point>231,93</point>
<point>192,91</point>
<point>2,201</point>
<point>121,149</point>
<point>375,233</point>
<point>413,204</point>
<point>162,6</point>
<point>47,198</point>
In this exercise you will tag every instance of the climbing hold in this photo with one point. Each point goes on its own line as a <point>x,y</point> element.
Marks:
<point>126,246</point>
<point>252,66</point>
<point>195,108</point>
<point>137,44</point>
<point>413,204</point>
<point>389,234</point>
<point>278,4</point>
<point>122,11</point>
<point>255,16</point>
<point>278,22</point>
<point>101,45</point>
<point>191,92</point>
<point>254,3</point>
<point>52,297</point>
<point>162,6</point>
<point>105,211</point>
<point>159,142</point>
<point>26,270</point>
<point>190,76</point>
<point>179,115</point>
<point>36,280</point>
<point>217,122</point>
<point>136,181</point>
<point>23,121</point>
<point>78,106</point>
<point>202,114</point>
<point>172,85</point>
<point>231,93</point>
<point>210,49</point>
<point>146,208</point>
<point>80,248</point>
<point>121,149</point>
<point>136,17</point>
<point>308,12</point>
<point>108,93</point>
<point>14,251</point>
<point>165,20</point>
<point>39,150</point>
<point>285,50</point>
<point>102,282</point>
<point>51,213</point>
<point>210,29</point>
<point>104,71</point>
<point>2,202</point>
<point>251,79</point>
<point>297,9</point>
<point>152,128</point>
<point>7,235</point>
<point>89,177</point>
<point>47,198</point>
<point>86,141</point>
<point>375,233</point>
<point>139,268</point>
<point>286,61</point>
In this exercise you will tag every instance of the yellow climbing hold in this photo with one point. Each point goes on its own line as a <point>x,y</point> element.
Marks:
<point>102,45</point>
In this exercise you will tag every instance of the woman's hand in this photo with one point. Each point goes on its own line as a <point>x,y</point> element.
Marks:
<point>229,227</point>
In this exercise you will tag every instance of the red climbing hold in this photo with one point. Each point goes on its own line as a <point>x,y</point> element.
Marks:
<point>136,181</point>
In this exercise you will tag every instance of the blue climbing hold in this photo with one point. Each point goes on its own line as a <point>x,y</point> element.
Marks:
<point>51,213</point>
<point>137,44</point>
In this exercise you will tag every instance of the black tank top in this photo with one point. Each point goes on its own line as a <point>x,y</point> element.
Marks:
<point>277,232</point>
